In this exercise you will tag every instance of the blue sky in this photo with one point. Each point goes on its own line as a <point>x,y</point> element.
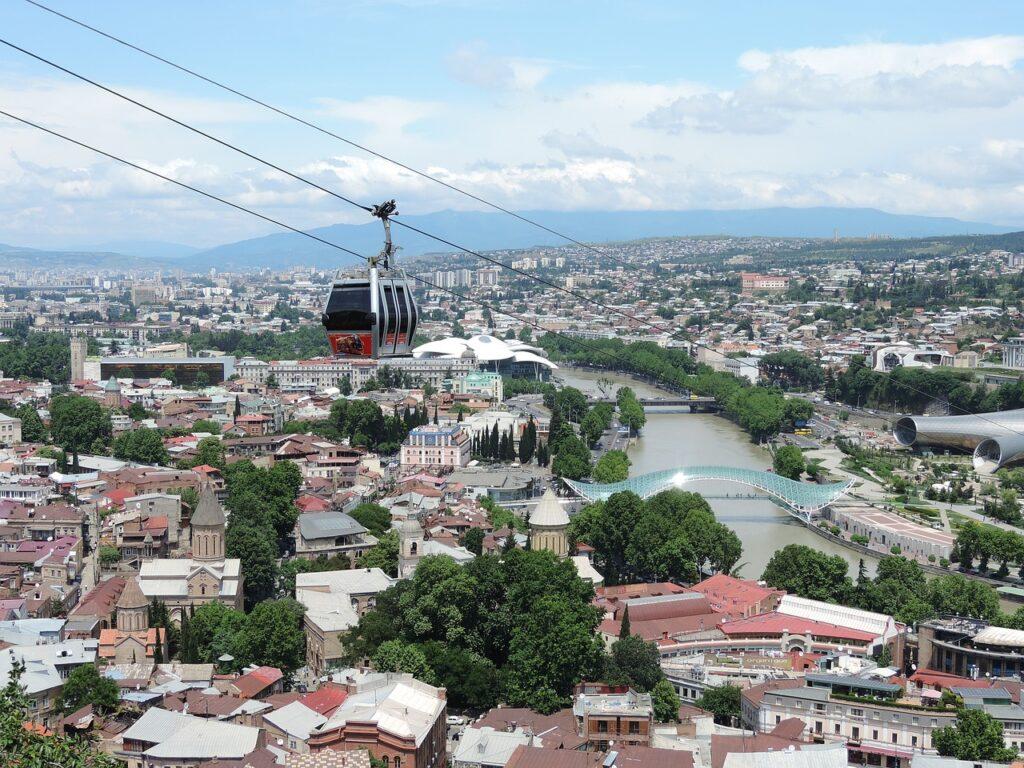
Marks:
<point>909,107</point>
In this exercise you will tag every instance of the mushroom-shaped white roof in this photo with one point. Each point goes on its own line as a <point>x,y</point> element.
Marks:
<point>489,347</point>
<point>549,513</point>
<point>450,347</point>
<point>529,357</point>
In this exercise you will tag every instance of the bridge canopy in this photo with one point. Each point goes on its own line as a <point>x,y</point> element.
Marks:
<point>801,497</point>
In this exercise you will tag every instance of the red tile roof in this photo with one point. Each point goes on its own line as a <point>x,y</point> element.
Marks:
<point>326,699</point>
<point>776,623</point>
<point>729,594</point>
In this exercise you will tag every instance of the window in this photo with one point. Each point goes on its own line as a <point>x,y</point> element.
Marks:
<point>874,734</point>
<point>856,712</point>
<point>913,741</point>
<point>895,738</point>
<point>602,726</point>
<point>855,732</point>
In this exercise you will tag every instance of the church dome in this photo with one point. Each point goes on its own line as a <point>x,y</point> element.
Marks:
<point>549,513</point>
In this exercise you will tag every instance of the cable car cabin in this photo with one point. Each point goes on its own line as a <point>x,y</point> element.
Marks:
<point>359,324</point>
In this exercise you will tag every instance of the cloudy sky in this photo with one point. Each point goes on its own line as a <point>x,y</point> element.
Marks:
<point>911,107</point>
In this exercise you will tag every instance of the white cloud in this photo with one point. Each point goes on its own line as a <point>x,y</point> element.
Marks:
<point>473,64</point>
<point>382,112</point>
<point>964,74</point>
<point>582,144</point>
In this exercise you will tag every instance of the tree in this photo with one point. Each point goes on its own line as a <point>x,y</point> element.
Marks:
<point>373,517</point>
<point>791,370</point>
<point>789,462</point>
<point>723,702</point>
<point>137,412</point>
<point>976,735</point>
<point>210,452</point>
<point>24,747</point>
<point>84,686</point>
<point>528,442</point>
<point>32,428</point>
<point>109,555</point>
<point>803,571</point>
<point>470,679</point>
<point>473,540</point>
<point>612,467</point>
<point>383,555</point>
<point>625,629</point>
<point>397,656</point>
<point>638,660</point>
<point>666,702</point>
<point>144,446</point>
<point>273,635</point>
<point>76,422</point>
<point>256,547</point>
<point>572,460</point>
<point>206,425</point>
<point>956,595</point>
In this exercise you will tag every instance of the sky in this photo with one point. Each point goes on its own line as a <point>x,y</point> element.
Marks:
<point>909,107</point>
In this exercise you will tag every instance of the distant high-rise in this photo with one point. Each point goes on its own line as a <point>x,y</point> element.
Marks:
<point>79,349</point>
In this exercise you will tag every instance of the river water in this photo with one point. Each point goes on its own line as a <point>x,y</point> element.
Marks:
<point>671,440</point>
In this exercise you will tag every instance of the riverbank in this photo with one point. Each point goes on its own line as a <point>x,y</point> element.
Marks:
<point>671,440</point>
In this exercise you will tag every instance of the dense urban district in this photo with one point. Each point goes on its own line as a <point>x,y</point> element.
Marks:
<point>519,546</point>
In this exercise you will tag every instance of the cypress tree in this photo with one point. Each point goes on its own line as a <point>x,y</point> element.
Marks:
<point>495,447</point>
<point>624,629</point>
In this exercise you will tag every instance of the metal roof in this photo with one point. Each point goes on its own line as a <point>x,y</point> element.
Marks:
<point>324,525</point>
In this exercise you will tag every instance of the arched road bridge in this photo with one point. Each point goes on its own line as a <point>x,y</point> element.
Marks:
<point>802,498</point>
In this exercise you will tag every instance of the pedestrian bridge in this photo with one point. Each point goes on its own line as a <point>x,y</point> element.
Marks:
<point>803,498</point>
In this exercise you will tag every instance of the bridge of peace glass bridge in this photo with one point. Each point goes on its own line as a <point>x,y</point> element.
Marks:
<point>802,498</point>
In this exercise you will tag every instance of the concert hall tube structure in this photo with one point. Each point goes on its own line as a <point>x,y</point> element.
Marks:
<point>996,438</point>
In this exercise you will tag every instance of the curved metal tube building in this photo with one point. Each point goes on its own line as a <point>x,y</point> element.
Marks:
<point>996,438</point>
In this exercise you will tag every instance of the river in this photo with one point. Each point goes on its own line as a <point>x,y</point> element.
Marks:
<point>672,440</point>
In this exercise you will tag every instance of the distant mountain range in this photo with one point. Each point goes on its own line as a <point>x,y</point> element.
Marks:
<point>497,231</point>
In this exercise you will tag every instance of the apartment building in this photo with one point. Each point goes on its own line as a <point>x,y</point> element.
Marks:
<point>436,446</point>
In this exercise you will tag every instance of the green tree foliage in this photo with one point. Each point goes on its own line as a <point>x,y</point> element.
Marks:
<point>470,679</point>
<point>383,555</point>
<point>36,356</point>
<point>273,635</point>
<point>572,460</point>
<point>109,555</point>
<point>144,446</point>
<point>789,462</point>
<point>803,571</point>
<point>209,451</point>
<point>254,546</point>
<point>666,702</point>
<point>399,656</point>
<point>723,702</point>
<point>637,661</point>
<point>76,422</point>
<point>528,442</point>
<point>26,748</point>
<point>671,536</point>
<point>571,403</point>
<point>500,517</point>
<point>958,595</point>
<point>363,423</point>
<point>32,428</point>
<point>631,413</point>
<point>526,614</point>
<point>84,686</point>
<point>373,517</point>
<point>473,540</point>
<point>206,425</point>
<point>975,736</point>
<point>791,370</point>
<point>612,467</point>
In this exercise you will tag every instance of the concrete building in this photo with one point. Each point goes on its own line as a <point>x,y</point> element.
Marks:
<point>753,282</point>
<point>970,648</point>
<point>623,718</point>
<point>79,351</point>
<point>10,430</point>
<point>334,601</point>
<point>331,533</point>
<point>885,530</point>
<point>399,719</point>
<point>436,446</point>
<point>321,373</point>
<point>485,384</point>
<point>185,370</point>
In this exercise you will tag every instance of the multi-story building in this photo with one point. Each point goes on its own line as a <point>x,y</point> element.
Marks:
<point>324,372</point>
<point>397,718</point>
<point>752,282</point>
<point>436,446</point>
<point>484,384</point>
<point>970,648</point>
<point>880,722</point>
<point>47,666</point>
<point>10,430</point>
<point>79,351</point>
<point>331,533</point>
<point>624,717</point>
<point>334,601</point>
